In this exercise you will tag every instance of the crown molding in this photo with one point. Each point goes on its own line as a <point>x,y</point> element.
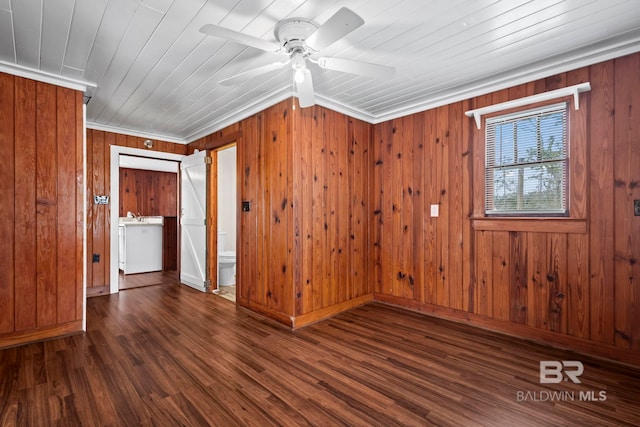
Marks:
<point>131,132</point>
<point>44,76</point>
<point>345,109</point>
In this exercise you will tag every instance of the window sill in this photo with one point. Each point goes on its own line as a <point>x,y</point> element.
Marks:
<point>529,224</point>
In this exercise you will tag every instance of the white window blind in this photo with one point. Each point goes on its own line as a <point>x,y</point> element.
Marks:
<point>526,162</point>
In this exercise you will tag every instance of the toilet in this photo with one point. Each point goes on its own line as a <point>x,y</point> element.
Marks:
<point>226,262</point>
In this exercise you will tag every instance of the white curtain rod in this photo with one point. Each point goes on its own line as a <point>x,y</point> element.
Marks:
<point>574,90</point>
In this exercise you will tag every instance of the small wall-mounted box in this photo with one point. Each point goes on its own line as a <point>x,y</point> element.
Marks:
<point>101,200</point>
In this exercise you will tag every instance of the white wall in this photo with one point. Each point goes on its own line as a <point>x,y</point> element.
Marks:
<point>227,204</point>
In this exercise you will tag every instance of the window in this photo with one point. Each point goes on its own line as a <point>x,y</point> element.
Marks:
<point>526,162</point>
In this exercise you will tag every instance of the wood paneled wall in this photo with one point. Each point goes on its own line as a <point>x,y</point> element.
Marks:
<point>302,246</point>
<point>98,183</point>
<point>229,135</point>
<point>149,193</point>
<point>322,185</point>
<point>331,158</point>
<point>572,283</point>
<point>265,253</point>
<point>41,214</point>
<point>170,243</point>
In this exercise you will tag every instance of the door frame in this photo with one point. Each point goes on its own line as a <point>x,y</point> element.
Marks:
<point>212,215</point>
<point>116,150</point>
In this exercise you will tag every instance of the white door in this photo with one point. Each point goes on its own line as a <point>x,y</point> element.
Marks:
<point>193,218</point>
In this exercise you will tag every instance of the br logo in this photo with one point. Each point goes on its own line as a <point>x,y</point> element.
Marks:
<point>555,371</point>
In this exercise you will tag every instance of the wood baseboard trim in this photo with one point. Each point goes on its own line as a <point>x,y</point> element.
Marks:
<point>40,334</point>
<point>96,291</point>
<point>269,312</point>
<point>324,313</point>
<point>565,342</point>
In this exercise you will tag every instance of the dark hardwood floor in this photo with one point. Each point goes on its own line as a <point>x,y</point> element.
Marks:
<point>169,355</point>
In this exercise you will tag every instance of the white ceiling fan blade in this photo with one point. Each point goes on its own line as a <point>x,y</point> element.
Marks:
<point>339,25</point>
<point>305,91</point>
<point>216,31</point>
<point>254,72</point>
<point>376,71</point>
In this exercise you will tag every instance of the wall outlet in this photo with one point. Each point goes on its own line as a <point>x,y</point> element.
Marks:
<point>96,258</point>
<point>246,206</point>
<point>636,207</point>
<point>435,211</point>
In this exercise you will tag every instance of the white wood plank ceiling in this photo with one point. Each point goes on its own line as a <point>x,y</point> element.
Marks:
<point>156,74</point>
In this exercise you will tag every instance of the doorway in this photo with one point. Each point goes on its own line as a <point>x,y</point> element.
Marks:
<point>226,218</point>
<point>148,226</point>
<point>119,156</point>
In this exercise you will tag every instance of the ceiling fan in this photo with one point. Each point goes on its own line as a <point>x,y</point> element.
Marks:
<point>301,40</point>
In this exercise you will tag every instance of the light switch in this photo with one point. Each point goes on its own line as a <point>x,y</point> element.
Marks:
<point>435,211</point>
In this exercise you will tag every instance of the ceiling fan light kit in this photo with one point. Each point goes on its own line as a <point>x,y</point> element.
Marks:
<point>301,40</point>
<point>299,66</point>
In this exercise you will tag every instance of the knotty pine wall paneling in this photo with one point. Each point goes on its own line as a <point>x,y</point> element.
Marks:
<point>319,217</point>
<point>570,282</point>
<point>229,135</point>
<point>303,246</point>
<point>98,183</point>
<point>626,189</point>
<point>599,323</point>
<point>274,250</point>
<point>457,148</point>
<point>150,193</point>
<point>331,201</point>
<point>248,154</point>
<point>359,139</point>
<point>264,253</point>
<point>41,215</point>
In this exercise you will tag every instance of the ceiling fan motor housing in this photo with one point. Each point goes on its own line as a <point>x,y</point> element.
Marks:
<point>292,33</point>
